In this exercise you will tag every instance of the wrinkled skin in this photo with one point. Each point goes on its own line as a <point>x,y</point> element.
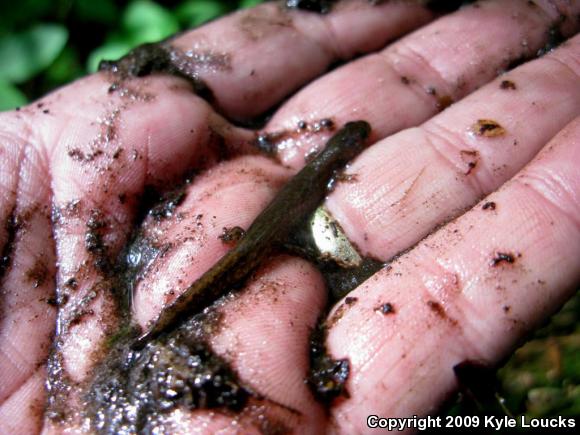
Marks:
<point>74,166</point>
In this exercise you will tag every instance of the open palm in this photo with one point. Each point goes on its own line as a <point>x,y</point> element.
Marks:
<point>77,169</point>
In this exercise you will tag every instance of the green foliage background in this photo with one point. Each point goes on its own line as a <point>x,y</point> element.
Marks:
<point>47,43</point>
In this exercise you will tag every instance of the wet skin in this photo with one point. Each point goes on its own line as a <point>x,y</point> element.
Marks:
<point>291,206</point>
<point>467,292</point>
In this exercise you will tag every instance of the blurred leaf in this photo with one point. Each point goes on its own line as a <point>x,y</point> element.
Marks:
<point>102,11</point>
<point>111,50</point>
<point>545,401</point>
<point>26,54</point>
<point>22,13</point>
<point>66,67</point>
<point>195,12</point>
<point>10,96</point>
<point>145,21</point>
<point>244,4</point>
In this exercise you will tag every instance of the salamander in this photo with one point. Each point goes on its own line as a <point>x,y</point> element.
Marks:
<point>291,206</point>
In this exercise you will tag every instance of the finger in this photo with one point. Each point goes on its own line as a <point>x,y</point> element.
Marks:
<point>22,412</point>
<point>269,326</point>
<point>264,336</point>
<point>253,343</point>
<point>412,182</point>
<point>254,58</point>
<point>104,160</point>
<point>27,263</point>
<point>469,292</point>
<point>254,337</point>
<point>189,242</point>
<point>421,74</point>
<point>11,151</point>
<point>101,157</point>
<point>100,169</point>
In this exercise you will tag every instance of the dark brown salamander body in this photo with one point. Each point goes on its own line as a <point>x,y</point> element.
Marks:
<point>297,199</point>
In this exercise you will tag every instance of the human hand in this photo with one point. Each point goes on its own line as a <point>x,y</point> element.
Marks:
<point>76,167</point>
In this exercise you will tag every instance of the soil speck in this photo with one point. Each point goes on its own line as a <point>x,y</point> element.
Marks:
<point>487,128</point>
<point>490,205</point>
<point>386,308</point>
<point>507,85</point>
<point>232,235</point>
<point>504,257</point>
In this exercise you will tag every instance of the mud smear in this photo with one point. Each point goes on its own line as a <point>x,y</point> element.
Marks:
<point>80,156</point>
<point>143,60</point>
<point>162,58</point>
<point>58,386</point>
<point>135,391</point>
<point>109,291</point>
<point>553,37</point>
<point>157,205</point>
<point>96,229</point>
<point>270,143</point>
<point>167,205</point>
<point>443,102</point>
<point>14,226</point>
<point>328,376</point>
<point>231,236</point>
<point>11,226</point>
<point>117,279</point>
<point>38,273</point>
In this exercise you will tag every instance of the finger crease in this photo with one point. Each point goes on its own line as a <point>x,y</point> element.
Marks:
<point>432,136</point>
<point>19,362</point>
<point>418,62</point>
<point>556,189</point>
<point>459,318</point>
